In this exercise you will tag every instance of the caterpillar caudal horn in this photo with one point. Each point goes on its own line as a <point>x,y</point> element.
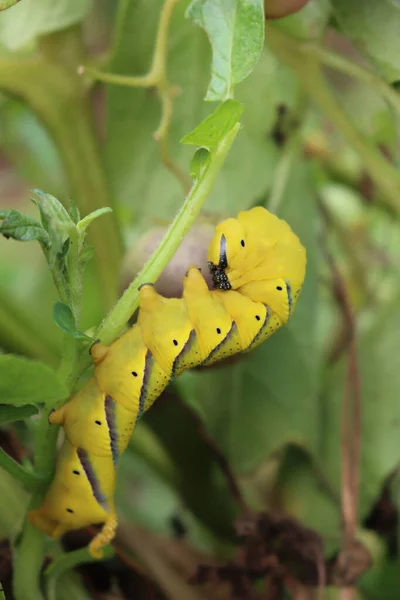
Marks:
<point>258,267</point>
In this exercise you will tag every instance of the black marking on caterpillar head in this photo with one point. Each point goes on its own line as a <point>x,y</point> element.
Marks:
<point>149,360</point>
<point>91,477</point>
<point>219,277</point>
<point>109,408</point>
<point>223,261</point>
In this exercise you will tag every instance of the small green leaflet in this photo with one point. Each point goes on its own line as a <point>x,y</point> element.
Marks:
<point>19,227</point>
<point>215,127</point>
<point>200,160</point>
<point>62,315</point>
<point>85,222</point>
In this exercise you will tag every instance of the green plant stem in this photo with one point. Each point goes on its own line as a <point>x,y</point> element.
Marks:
<point>65,563</point>
<point>282,174</point>
<point>57,95</point>
<point>116,320</point>
<point>354,70</point>
<point>29,479</point>
<point>308,68</point>
<point>29,555</point>
<point>2,594</point>
<point>22,334</point>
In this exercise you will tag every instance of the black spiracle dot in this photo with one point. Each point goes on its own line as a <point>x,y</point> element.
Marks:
<point>175,342</point>
<point>134,373</point>
<point>75,472</point>
<point>278,287</point>
<point>258,317</point>
<point>98,422</point>
<point>242,243</point>
<point>218,330</point>
<point>69,510</point>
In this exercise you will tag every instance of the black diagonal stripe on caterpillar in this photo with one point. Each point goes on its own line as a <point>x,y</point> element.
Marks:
<point>258,268</point>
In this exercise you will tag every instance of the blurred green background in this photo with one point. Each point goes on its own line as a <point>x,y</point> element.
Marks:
<point>327,162</point>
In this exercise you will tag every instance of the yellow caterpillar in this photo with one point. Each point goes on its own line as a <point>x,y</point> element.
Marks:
<point>258,267</point>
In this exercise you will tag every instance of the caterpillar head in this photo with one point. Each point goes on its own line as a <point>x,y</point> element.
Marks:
<point>225,250</point>
<point>255,247</point>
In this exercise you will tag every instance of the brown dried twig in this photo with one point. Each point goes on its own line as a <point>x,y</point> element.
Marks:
<point>351,419</point>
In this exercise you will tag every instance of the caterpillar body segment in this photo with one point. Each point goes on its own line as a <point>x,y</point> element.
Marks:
<point>81,493</point>
<point>258,267</point>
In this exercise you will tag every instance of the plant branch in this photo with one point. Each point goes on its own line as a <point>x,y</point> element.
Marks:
<point>156,77</point>
<point>308,68</point>
<point>115,321</point>
<point>354,70</point>
<point>29,479</point>
<point>66,562</point>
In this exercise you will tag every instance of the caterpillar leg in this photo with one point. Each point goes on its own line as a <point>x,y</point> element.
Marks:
<point>99,352</point>
<point>57,417</point>
<point>104,537</point>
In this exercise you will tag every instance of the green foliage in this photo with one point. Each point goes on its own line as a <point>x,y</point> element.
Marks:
<point>236,33</point>
<point>8,414</point>
<point>364,22</point>
<point>142,184</point>
<point>25,381</point>
<point>332,173</point>
<point>215,127</point>
<point>17,226</point>
<point>30,19</point>
<point>64,317</point>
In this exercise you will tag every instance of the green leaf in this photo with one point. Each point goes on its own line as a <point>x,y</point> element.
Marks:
<point>30,19</point>
<point>380,427</point>
<point>52,211</point>
<point>269,398</point>
<point>236,32</point>
<point>64,318</point>
<point>74,212</point>
<point>138,177</point>
<point>22,228</point>
<point>24,381</point>
<point>199,162</point>
<point>58,224</point>
<point>85,222</point>
<point>8,414</point>
<point>210,132</point>
<point>374,28</point>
